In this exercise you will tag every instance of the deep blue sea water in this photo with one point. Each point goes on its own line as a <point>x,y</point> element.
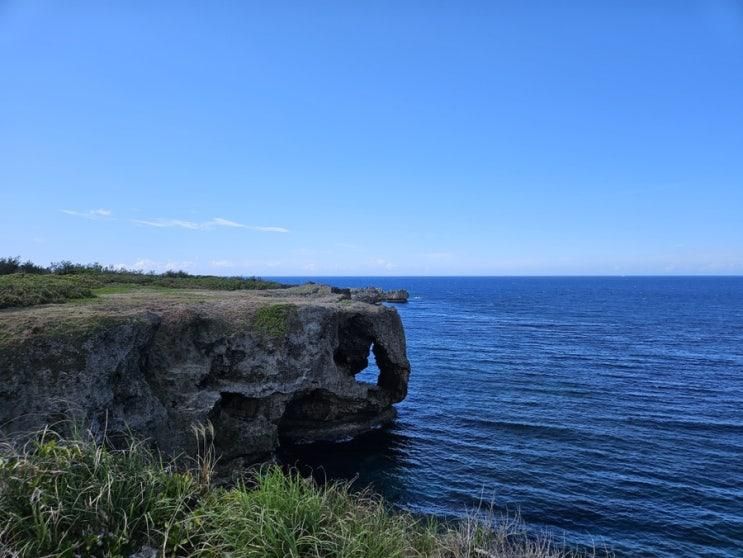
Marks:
<point>608,410</point>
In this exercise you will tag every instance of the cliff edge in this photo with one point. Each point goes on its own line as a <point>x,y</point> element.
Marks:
<point>261,366</point>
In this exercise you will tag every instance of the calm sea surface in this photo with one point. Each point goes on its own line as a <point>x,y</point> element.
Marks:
<point>608,410</point>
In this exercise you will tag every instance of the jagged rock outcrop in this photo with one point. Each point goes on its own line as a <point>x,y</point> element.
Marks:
<point>261,366</point>
<point>373,295</point>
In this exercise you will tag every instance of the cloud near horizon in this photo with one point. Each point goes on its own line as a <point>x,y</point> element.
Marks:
<point>205,225</point>
<point>145,264</point>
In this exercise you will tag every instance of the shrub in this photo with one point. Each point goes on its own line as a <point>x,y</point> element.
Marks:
<point>19,289</point>
<point>172,273</point>
<point>29,267</point>
<point>9,265</point>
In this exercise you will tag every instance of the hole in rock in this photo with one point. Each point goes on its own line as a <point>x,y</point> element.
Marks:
<point>356,354</point>
<point>360,361</point>
<point>370,374</point>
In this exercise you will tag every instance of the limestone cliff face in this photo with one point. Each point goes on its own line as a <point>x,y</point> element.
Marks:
<point>262,367</point>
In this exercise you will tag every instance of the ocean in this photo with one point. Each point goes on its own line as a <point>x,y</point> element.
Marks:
<point>608,411</point>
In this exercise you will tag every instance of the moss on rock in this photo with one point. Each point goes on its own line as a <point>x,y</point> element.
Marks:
<point>273,321</point>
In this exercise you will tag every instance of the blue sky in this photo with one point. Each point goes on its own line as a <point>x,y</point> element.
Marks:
<point>375,138</point>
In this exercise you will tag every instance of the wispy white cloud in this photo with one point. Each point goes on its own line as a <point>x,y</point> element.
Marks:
<point>163,223</point>
<point>96,214</point>
<point>220,222</point>
<point>227,223</point>
<point>205,225</point>
<point>169,223</point>
<point>145,264</point>
<point>270,229</point>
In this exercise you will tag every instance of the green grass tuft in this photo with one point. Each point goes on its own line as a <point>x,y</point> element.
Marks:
<point>75,498</point>
<point>286,515</point>
<point>273,321</point>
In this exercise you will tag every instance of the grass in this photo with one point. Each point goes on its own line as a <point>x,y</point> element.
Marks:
<point>73,497</point>
<point>20,289</point>
<point>273,320</point>
<point>25,284</point>
<point>67,497</point>
<point>115,288</point>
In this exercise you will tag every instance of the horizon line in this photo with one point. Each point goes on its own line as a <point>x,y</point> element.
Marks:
<point>546,276</point>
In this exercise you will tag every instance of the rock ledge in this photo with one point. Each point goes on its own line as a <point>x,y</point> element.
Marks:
<point>262,366</point>
<point>373,295</point>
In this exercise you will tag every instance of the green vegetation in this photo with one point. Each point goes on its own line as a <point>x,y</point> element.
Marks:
<point>74,497</point>
<point>20,289</point>
<point>26,284</point>
<point>273,321</point>
<point>14,265</point>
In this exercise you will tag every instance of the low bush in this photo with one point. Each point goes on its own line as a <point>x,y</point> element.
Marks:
<point>20,289</point>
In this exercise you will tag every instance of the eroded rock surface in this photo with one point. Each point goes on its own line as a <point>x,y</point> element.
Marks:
<point>261,366</point>
<point>373,295</point>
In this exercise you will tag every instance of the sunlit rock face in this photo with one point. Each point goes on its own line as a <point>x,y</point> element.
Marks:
<point>262,367</point>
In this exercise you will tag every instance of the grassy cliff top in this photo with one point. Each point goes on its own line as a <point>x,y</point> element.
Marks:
<point>75,300</point>
<point>30,285</point>
<point>80,310</point>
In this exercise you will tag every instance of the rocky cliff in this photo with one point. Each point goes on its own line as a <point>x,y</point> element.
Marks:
<point>373,295</point>
<point>261,366</point>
